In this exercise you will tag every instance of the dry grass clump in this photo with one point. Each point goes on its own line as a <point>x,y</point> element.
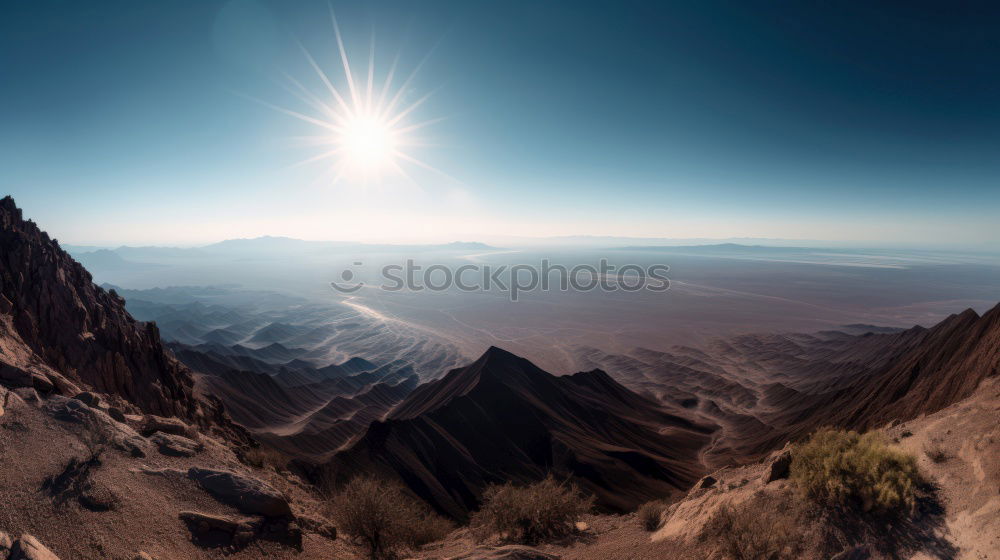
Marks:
<point>529,514</point>
<point>936,453</point>
<point>265,458</point>
<point>752,532</point>
<point>650,514</point>
<point>846,469</point>
<point>383,519</point>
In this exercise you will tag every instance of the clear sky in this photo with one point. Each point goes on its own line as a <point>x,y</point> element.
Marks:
<point>136,121</point>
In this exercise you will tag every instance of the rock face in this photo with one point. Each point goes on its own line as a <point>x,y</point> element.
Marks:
<point>247,494</point>
<point>58,330</point>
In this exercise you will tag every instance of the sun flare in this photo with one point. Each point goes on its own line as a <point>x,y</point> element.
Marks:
<point>366,129</point>
<point>368,142</point>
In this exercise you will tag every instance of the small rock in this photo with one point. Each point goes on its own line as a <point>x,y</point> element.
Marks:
<point>99,499</point>
<point>780,467</point>
<point>319,526</point>
<point>708,482</point>
<point>581,526</point>
<point>176,446</point>
<point>90,399</point>
<point>247,494</point>
<point>28,548</point>
<point>116,414</point>
<point>142,556</point>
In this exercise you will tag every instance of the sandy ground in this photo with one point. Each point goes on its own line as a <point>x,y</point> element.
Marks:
<point>34,446</point>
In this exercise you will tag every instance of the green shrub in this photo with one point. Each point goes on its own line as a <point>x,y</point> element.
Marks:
<point>847,469</point>
<point>384,519</point>
<point>529,514</point>
<point>650,514</point>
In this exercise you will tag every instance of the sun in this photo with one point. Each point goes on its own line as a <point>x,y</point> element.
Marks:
<point>369,143</point>
<point>366,133</point>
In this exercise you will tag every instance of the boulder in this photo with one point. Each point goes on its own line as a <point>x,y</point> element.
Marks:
<point>90,399</point>
<point>118,435</point>
<point>245,493</point>
<point>28,548</point>
<point>152,424</point>
<point>780,467</point>
<point>116,414</point>
<point>13,376</point>
<point>69,410</point>
<point>176,446</point>
<point>210,530</point>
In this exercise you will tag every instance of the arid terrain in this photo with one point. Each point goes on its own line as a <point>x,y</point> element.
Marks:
<point>246,440</point>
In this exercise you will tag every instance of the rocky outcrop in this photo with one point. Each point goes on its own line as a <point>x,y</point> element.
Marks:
<point>214,531</point>
<point>102,427</point>
<point>176,446</point>
<point>246,494</point>
<point>58,330</point>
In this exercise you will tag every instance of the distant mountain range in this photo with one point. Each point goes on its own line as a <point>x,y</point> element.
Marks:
<point>262,246</point>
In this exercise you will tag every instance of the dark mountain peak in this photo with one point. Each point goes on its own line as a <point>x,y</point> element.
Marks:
<point>496,354</point>
<point>502,418</point>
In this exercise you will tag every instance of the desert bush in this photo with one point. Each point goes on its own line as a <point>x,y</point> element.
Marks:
<point>746,532</point>
<point>847,469</point>
<point>650,514</point>
<point>383,519</point>
<point>529,514</point>
<point>262,457</point>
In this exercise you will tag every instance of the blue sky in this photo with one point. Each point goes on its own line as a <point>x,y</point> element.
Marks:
<point>130,122</point>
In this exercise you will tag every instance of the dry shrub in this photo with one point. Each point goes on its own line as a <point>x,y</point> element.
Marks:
<point>846,469</point>
<point>529,514</point>
<point>936,453</point>
<point>651,514</point>
<point>266,458</point>
<point>384,519</point>
<point>751,532</point>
